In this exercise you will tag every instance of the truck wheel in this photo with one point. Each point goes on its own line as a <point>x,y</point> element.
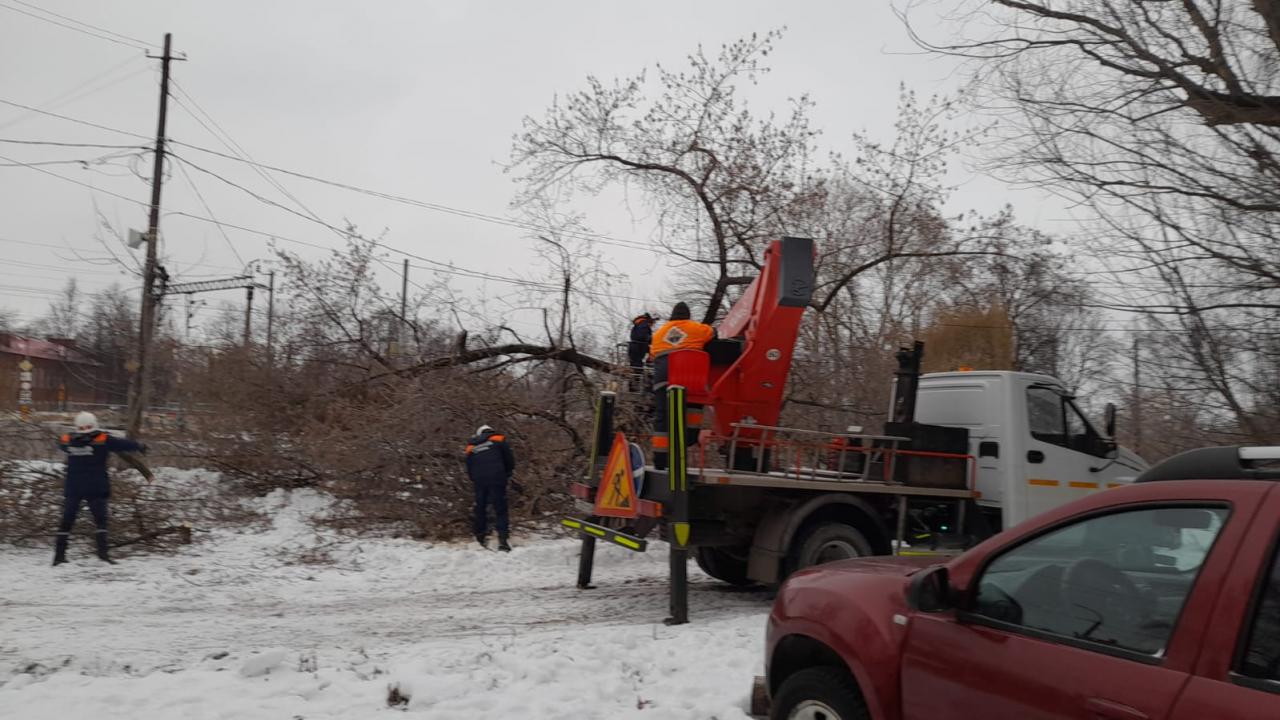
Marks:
<point>821,693</point>
<point>828,542</point>
<point>725,564</point>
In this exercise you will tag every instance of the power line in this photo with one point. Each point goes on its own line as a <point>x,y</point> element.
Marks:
<point>100,160</point>
<point>209,210</point>
<point>102,34</point>
<point>493,219</point>
<point>88,25</point>
<point>437,266</point>
<point>64,268</point>
<point>86,123</point>
<point>50,143</point>
<point>74,93</point>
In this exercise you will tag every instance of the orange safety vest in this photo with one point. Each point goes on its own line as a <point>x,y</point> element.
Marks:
<point>680,335</point>
<point>491,438</point>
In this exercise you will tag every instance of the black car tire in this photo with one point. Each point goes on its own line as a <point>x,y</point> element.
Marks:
<point>821,693</point>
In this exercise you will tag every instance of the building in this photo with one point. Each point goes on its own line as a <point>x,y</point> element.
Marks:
<point>61,375</point>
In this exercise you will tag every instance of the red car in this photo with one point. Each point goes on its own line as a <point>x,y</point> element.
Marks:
<point>1155,601</point>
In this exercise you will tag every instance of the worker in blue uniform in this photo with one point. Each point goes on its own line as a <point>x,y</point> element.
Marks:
<point>87,480</point>
<point>490,463</point>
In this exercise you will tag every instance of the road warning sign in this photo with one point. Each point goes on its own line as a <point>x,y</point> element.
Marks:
<point>617,494</point>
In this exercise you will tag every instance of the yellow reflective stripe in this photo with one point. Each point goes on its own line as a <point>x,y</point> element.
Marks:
<point>1080,485</point>
<point>571,523</point>
<point>1041,482</point>
<point>679,457</point>
<point>625,542</point>
<point>594,531</point>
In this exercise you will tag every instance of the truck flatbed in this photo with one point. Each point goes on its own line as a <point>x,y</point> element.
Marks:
<point>807,481</point>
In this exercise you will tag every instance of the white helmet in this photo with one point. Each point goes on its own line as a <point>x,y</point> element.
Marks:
<point>483,429</point>
<point>86,422</point>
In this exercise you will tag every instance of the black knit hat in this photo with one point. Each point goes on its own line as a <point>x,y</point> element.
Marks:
<point>680,312</point>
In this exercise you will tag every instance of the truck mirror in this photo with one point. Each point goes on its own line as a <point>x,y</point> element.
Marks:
<point>930,590</point>
<point>1109,422</point>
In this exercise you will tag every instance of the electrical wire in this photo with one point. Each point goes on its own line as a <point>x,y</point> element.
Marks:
<point>67,118</point>
<point>127,42</point>
<point>14,141</point>
<point>182,168</point>
<point>67,96</point>
<point>88,25</point>
<point>438,207</point>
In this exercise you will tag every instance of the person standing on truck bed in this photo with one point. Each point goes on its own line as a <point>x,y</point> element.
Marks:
<point>638,347</point>
<point>490,463</point>
<point>87,480</point>
<point>679,333</point>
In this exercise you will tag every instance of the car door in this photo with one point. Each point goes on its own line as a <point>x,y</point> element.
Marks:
<point>1073,622</point>
<point>1063,455</point>
<point>1238,674</point>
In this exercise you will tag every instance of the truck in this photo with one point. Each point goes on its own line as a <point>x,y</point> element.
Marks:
<point>963,455</point>
<point>1159,600</point>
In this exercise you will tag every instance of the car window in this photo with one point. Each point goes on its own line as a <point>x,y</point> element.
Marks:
<point>1262,653</point>
<point>1118,580</point>
<point>1044,415</point>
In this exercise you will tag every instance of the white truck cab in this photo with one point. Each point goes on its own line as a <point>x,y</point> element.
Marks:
<point>1035,450</point>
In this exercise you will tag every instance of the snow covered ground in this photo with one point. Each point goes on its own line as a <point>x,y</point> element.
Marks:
<point>247,625</point>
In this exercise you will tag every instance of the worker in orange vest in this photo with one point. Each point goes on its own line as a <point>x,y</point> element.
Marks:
<point>681,332</point>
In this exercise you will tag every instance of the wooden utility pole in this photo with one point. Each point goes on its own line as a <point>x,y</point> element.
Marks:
<point>404,309</point>
<point>271,314</point>
<point>139,394</point>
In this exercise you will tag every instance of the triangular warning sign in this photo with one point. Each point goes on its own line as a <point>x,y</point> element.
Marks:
<point>617,494</point>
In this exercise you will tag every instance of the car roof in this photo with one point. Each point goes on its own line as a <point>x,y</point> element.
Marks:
<point>1238,462</point>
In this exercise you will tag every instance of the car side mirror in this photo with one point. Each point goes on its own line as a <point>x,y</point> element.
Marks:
<point>930,590</point>
<point>1109,420</point>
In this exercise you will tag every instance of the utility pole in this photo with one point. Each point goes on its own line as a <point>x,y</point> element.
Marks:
<point>271,315</point>
<point>404,308</point>
<point>1137,398</point>
<point>248,315</point>
<point>139,394</point>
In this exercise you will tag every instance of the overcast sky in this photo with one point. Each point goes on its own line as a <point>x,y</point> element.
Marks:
<point>410,98</point>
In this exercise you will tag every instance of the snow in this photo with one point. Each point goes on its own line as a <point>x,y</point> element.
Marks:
<point>294,621</point>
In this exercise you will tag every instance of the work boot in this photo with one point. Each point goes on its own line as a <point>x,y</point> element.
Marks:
<point>101,538</point>
<point>503,545</point>
<point>483,540</point>
<point>60,550</point>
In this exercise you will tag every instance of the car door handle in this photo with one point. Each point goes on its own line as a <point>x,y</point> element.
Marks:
<point>1111,710</point>
<point>1035,456</point>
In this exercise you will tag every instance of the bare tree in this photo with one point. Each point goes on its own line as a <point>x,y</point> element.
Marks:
<point>721,180</point>
<point>1163,118</point>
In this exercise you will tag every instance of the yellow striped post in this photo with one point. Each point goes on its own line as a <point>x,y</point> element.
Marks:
<point>678,476</point>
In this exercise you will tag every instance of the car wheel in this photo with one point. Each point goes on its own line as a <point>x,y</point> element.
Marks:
<point>828,542</point>
<point>724,564</point>
<point>822,693</point>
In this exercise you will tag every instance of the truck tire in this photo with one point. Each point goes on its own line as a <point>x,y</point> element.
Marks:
<point>827,542</point>
<point>724,564</point>
<point>821,693</point>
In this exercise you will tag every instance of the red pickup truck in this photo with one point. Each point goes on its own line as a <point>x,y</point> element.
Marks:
<point>1155,601</point>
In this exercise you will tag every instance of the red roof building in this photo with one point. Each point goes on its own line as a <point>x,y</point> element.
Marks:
<point>62,375</point>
